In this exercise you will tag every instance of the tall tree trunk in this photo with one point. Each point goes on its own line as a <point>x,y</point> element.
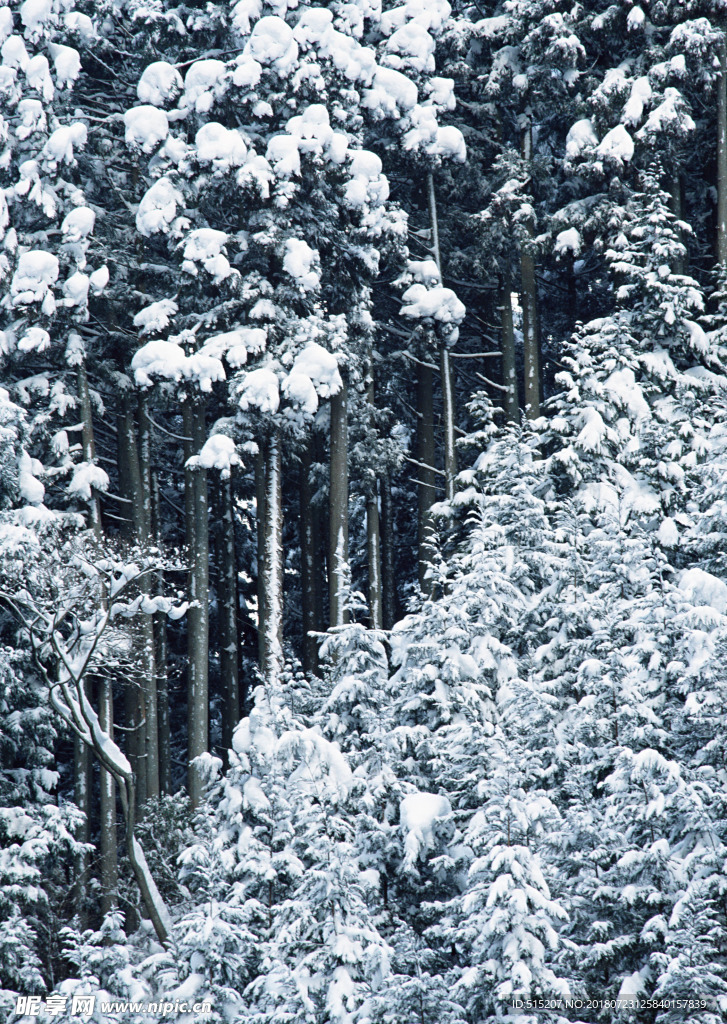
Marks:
<point>82,778</point>
<point>722,157</point>
<point>134,697</point>
<point>89,443</point>
<point>388,577</point>
<point>81,756</point>
<point>338,506</point>
<point>273,573</point>
<point>373,535</point>
<point>309,544</point>
<point>161,651</point>
<point>509,367</point>
<point>229,654</point>
<point>109,841</point>
<point>529,303</point>
<point>262,597</point>
<point>144,531</point>
<point>425,470</point>
<point>445,366</point>
<point>198,613</point>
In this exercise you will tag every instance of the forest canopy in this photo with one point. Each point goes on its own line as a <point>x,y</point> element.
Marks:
<point>363,515</point>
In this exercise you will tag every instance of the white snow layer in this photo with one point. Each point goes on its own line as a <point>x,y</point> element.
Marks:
<point>218,452</point>
<point>418,814</point>
<point>702,588</point>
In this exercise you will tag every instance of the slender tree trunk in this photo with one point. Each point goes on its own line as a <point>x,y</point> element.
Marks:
<point>81,755</point>
<point>82,797</point>
<point>89,444</point>
<point>273,633</point>
<point>388,577</point>
<point>229,654</point>
<point>722,157</point>
<point>144,531</point>
<point>109,842</point>
<point>373,535</point>
<point>135,693</point>
<point>308,559</point>
<point>262,597</point>
<point>425,470</point>
<point>161,651</point>
<point>338,505</point>
<point>529,303</point>
<point>509,368</point>
<point>445,366</point>
<point>198,614</point>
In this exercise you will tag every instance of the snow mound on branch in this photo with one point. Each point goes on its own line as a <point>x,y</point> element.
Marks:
<point>236,345</point>
<point>34,14</point>
<point>581,136</point>
<point>410,46</point>
<point>160,83</point>
<point>272,42</point>
<point>158,208</point>
<point>426,134</point>
<point>367,183</point>
<point>218,452</point>
<point>424,271</point>
<point>391,93</point>
<point>640,96</point>
<point>37,75</point>
<point>35,339</point>
<point>158,359</point>
<point>67,64</point>
<point>30,488</point>
<point>314,374</point>
<point>260,390</point>
<point>433,304</point>
<point>60,146</point>
<point>419,813</point>
<point>75,289</point>
<point>167,360</point>
<point>78,224</point>
<point>220,146</point>
<point>205,246</point>
<point>616,145</point>
<point>204,82</point>
<point>86,478</point>
<point>568,241</point>
<point>146,127</point>
<point>702,588</point>
<point>37,270</point>
<point>299,262</point>
<point>155,318</point>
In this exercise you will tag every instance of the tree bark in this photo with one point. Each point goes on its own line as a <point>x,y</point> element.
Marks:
<point>82,779</point>
<point>109,842</point>
<point>273,633</point>
<point>309,543</point>
<point>198,613</point>
<point>373,534</point>
<point>388,578</point>
<point>445,366</point>
<point>144,531</point>
<point>229,654</point>
<point>425,469</point>
<point>262,598</point>
<point>338,505</point>
<point>509,368</point>
<point>529,303</point>
<point>89,443</point>
<point>722,157</point>
<point>161,651</point>
<point>134,694</point>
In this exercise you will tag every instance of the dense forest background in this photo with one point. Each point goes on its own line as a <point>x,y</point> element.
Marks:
<point>363,509</point>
